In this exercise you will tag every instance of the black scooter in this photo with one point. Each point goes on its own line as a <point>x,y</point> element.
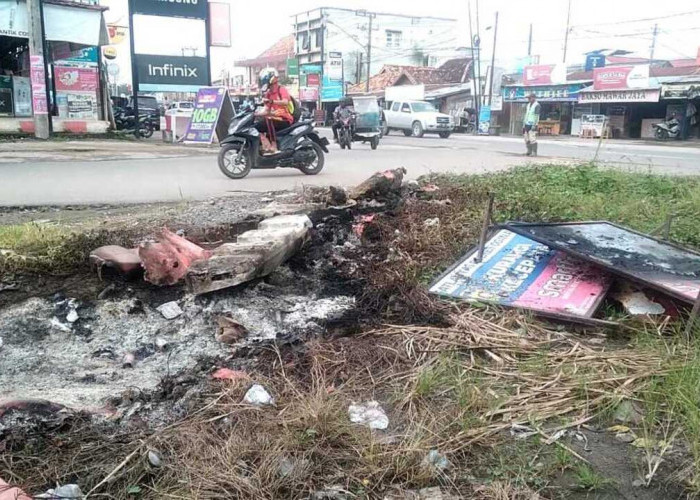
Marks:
<point>299,146</point>
<point>124,120</point>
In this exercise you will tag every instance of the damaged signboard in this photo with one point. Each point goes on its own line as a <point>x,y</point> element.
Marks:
<point>519,272</point>
<point>638,257</point>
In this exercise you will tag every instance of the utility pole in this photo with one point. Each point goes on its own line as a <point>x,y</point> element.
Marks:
<point>529,42</point>
<point>134,70</point>
<point>369,48</point>
<point>474,65</point>
<point>493,56</point>
<point>39,76</point>
<point>478,51</point>
<point>653,42</point>
<point>566,35</point>
<point>358,77</point>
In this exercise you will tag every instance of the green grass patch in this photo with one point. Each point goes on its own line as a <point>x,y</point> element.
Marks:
<point>585,192</point>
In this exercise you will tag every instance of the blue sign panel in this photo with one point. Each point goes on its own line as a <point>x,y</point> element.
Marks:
<point>595,61</point>
<point>484,119</point>
<point>331,90</point>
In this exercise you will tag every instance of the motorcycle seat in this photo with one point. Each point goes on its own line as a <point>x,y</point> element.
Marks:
<point>287,130</point>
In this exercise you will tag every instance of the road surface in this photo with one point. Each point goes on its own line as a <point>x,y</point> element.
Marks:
<point>149,179</point>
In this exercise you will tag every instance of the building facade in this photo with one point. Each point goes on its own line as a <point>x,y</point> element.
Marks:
<point>332,46</point>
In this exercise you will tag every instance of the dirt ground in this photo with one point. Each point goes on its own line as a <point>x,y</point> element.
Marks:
<point>346,320</point>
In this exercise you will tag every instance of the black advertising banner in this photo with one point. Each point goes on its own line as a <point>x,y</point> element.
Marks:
<point>175,73</point>
<point>194,9</point>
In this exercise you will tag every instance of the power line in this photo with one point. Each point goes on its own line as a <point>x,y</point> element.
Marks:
<point>631,21</point>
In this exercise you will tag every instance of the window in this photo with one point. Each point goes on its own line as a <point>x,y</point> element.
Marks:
<point>395,107</point>
<point>422,107</point>
<point>319,38</point>
<point>405,108</point>
<point>393,39</point>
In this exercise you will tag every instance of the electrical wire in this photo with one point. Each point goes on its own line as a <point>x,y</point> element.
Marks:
<point>632,21</point>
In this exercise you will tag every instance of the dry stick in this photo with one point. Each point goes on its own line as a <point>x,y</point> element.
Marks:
<point>485,228</point>
<point>116,469</point>
<point>562,446</point>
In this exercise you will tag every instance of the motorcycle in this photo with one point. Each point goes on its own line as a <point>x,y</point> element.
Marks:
<point>669,129</point>
<point>126,123</point>
<point>346,120</point>
<point>299,146</point>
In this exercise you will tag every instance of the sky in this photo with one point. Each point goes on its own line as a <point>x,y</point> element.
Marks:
<point>595,24</point>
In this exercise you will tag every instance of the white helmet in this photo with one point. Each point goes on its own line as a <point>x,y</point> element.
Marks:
<point>267,77</point>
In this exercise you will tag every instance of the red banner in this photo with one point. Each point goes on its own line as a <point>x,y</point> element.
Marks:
<point>621,77</point>
<point>313,80</point>
<point>75,79</point>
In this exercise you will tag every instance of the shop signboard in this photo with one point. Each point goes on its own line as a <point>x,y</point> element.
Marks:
<point>544,74</point>
<point>517,271</point>
<point>292,66</point>
<point>331,90</point>
<point>219,24</point>
<point>334,67</point>
<point>69,79</point>
<point>497,103</point>
<point>628,95</point>
<point>14,19</point>
<point>594,61</point>
<point>117,34</point>
<point>22,92</point>
<point>83,58</point>
<point>680,91</point>
<point>213,111</point>
<point>308,94</point>
<point>194,9</point>
<point>568,92</point>
<point>484,119</point>
<point>38,78</point>
<point>6,106</point>
<point>171,73</point>
<point>621,77</point>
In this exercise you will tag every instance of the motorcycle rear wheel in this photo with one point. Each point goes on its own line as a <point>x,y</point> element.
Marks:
<point>661,134</point>
<point>228,165</point>
<point>317,165</point>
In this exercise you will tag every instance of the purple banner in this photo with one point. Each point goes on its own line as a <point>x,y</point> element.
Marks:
<point>205,116</point>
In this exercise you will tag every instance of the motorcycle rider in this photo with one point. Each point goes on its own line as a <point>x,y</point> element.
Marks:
<point>276,115</point>
<point>345,106</point>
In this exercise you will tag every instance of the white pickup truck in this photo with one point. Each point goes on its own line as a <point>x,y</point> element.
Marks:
<point>417,118</point>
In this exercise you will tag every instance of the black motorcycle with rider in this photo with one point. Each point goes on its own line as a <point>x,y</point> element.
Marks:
<point>271,136</point>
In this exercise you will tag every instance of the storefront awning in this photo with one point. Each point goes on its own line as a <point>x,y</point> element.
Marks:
<point>590,96</point>
<point>63,22</point>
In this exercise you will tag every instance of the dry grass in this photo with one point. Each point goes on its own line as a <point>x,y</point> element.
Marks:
<point>452,389</point>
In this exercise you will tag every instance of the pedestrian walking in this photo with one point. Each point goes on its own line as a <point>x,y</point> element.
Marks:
<point>532,119</point>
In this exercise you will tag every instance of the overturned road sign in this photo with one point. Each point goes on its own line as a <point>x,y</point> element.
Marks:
<point>519,272</point>
<point>660,265</point>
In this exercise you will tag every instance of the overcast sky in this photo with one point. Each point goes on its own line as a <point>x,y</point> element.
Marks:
<point>595,24</point>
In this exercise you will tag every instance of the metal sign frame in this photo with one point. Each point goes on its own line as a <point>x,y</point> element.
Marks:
<point>522,229</point>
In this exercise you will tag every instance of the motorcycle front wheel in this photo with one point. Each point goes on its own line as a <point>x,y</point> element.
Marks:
<point>145,131</point>
<point>231,163</point>
<point>317,165</point>
<point>661,134</point>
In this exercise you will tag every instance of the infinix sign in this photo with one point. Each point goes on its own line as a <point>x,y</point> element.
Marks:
<point>195,9</point>
<point>171,71</point>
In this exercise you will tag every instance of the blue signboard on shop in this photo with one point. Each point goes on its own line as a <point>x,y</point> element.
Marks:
<point>594,61</point>
<point>567,92</point>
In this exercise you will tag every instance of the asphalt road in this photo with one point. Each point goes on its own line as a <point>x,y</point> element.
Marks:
<point>151,179</point>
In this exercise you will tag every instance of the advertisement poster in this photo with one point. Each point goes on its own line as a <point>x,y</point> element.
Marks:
<point>160,73</point>
<point>621,77</point>
<point>212,106</point>
<point>313,80</point>
<point>194,9</point>
<point>484,119</point>
<point>81,106</point>
<point>22,89</point>
<point>308,94</point>
<point>519,272</point>
<point>70,79</point>
<point>38,78</point>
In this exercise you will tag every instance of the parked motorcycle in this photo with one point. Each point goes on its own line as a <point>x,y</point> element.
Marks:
<point>669,129</point>
<point>299,146</point>
<point>346,120</point>
<point>125,122</point>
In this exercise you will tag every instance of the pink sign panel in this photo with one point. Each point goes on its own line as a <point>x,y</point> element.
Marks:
<point>538,75</point>
<point>308,94</point>
<point>519,272</point>
<point>75,79</point>
<point>38,78</point>
<point>621,77</point>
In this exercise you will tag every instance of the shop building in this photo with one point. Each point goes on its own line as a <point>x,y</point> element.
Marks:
<point>75,97</point>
